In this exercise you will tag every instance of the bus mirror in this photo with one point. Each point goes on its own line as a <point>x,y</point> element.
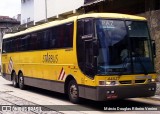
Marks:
<point>154,48</point>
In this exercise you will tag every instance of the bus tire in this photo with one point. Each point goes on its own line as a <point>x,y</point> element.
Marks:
<point>73,92</point>
<point>21,81</point>
<point>14,80</point>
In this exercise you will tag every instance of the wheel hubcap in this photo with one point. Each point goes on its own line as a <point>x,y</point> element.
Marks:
<point>21,81</point>
<point>73,91</point>
<point>14,80</point>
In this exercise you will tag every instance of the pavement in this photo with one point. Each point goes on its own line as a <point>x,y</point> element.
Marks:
<point>157,94</point>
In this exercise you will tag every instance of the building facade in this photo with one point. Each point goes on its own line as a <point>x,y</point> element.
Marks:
<point>6,25</point>
<point>34,11</point>
<point>27,11</point>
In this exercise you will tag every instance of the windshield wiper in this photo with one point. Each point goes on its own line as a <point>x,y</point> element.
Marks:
<point>124,67</point>
<point>138,59</point>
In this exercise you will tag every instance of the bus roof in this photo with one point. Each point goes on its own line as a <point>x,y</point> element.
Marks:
<point>112,15</point>
<point>70,19</point>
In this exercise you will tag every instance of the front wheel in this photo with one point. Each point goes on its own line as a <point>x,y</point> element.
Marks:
<point>73,91</point>
<point>21,81</point>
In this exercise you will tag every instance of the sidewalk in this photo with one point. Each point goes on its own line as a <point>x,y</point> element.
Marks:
<point>158,89</point>
<point>157,95</point>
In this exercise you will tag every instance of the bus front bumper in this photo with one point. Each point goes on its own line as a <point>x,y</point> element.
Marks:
<point>128,91</point>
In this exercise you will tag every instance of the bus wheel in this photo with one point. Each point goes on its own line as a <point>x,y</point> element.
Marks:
<point>73,92</point>
<point>21,81</point>
<point>14,80</point>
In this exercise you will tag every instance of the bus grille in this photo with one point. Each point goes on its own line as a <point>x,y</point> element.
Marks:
<point>125,82</point>
<point>132,82</point>
<point>139,81</point>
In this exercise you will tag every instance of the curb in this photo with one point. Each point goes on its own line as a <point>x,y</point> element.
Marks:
<point>157,94</point>
<point>156,98</point>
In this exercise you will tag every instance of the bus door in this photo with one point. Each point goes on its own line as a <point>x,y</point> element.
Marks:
<point>86,44</point>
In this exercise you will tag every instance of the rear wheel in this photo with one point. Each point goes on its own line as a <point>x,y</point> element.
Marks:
<point>73,91</point>
<point>14,80</point>
<point>21,81</point>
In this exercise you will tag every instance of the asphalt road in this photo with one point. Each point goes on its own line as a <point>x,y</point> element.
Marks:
<point>33,100</point>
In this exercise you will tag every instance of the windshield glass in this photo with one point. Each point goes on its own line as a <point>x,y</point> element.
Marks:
<point>140,46</point>
<point>124,47</point>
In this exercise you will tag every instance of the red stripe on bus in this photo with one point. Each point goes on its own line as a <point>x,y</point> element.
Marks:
<point>63,76</point>
<point>60,74</point>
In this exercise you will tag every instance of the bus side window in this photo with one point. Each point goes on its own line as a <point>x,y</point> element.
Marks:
<point>53,37</point>
<point>17,44</point>
<point>33,41</point>
<point>84,48</point>
<point>88,26</point>
<point>88,30</point>
<point>24,42</point>
<point>40,36</point>
<point>80,47</point>
<point>61,36</point>
<point>4,46</point>
<point>68,37</point>
<point>46,39</point>
<point>13,45</point>
<point>8,45</point>
<point>58,37</point>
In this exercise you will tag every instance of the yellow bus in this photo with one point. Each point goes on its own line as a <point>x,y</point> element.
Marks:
<point>97,56</point>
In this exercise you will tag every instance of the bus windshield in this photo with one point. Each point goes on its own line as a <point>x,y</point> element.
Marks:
<point>124,47</point>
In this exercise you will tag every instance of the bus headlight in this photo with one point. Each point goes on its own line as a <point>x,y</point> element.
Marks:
<point>110,82</point>
<point>107,83</point>
<point>153,80</point>
<point>102,83</point>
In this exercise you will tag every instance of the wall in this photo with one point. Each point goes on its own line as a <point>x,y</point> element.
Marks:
<point>54,7</point>
<point>27,11</point>
<point>153,18</point>
<point>39,10</point>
